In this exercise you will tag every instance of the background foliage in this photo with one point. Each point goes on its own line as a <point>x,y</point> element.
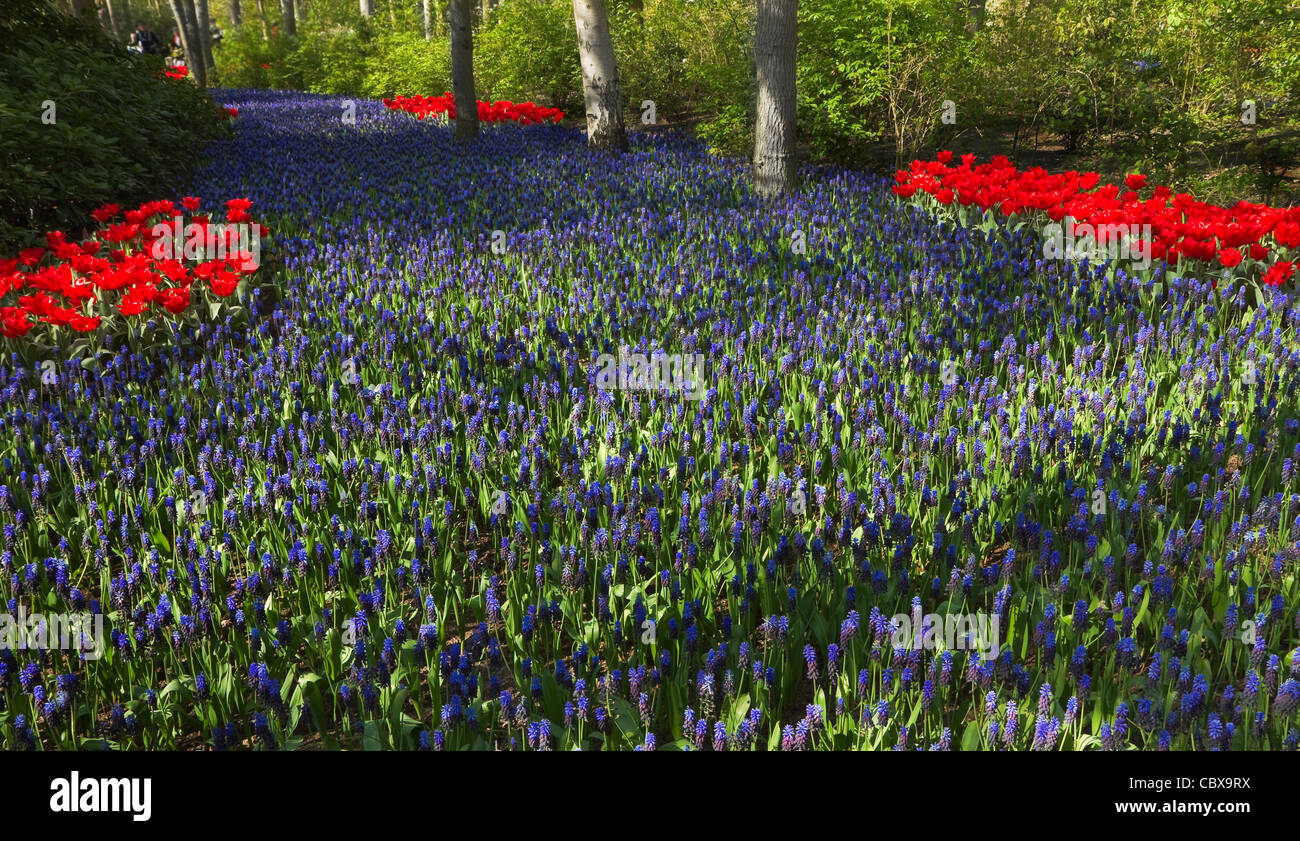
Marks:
<point>120,129</point>
<point>1156,86</point>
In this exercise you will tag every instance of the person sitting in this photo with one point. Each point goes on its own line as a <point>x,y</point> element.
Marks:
<point>214,31</point>
<point>144,41</point>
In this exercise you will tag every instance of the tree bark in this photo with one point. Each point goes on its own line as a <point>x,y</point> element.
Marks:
<point>204,33</point>
<point>367,8</point>
<point>266,24</point>
<point>182,11</point>
<point>462,68</point>
<point>428,21</point>
<point>194,59</point>
<point>975,10</point>
<point>236,15</point>
<point>288,25</point>
<point>83,8</point>
<point>774,64</point>
<point>113,13</point>
<point>602,98</point>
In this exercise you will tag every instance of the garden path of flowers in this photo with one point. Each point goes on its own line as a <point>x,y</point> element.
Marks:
<point>389,507</point>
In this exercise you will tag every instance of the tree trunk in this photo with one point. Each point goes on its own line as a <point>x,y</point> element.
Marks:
<point>195,60</point>
<point>266,24</point>
<point>462,68</point>
<point>287,24</point>
<point>602,98</point>
<point>83,8</point>
<point>189,43</point>
<point>204,33</point>
<point>113,14</point>
<point>774,137</point>
<point>975,10</point>
<point>236,15</point>
<point>367,8</point>
<point>428,21</point>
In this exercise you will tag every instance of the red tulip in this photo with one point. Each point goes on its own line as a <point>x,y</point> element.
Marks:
<point>1279,273</point>
<point>1229,257</point>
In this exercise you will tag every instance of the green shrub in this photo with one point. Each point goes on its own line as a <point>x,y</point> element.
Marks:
<point>529,51</point>
<point>402,62</point>
<point>729,133</point>
<point>86,122</point>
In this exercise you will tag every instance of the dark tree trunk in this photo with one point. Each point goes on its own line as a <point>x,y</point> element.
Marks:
<point>288,24</point>
<point>975,10</point>
<point>183,12</point>
<point>204,33</point>
<point>462,68</point>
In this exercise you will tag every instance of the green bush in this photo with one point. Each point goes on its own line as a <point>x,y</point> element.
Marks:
<point>86,122</point>
<point>877,72</point>
<point>528,51</point>
<point>402,62</point>
<point>691,59</point>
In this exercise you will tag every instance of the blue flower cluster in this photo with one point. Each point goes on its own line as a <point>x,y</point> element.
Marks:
<point>396,507</point>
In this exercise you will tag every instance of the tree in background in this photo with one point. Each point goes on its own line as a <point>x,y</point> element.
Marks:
<point>774,64</point>
<point>183,12</point>
<point>204,33</point>
<point>602,97</point>
<point>290,25</point>
<point>1160,84</point>
<point>462,68</point>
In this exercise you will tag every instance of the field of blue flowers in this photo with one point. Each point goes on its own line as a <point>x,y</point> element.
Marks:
<point>396,506</point>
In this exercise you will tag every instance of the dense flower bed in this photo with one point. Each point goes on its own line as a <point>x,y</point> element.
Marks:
<point>524,113</point>
<point>406,505</point>
<point>1181,228</point>
<point>133,265</point>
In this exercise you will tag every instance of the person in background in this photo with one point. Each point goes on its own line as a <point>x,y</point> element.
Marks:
<point>214,31</point>
<point>177,46</point>
<point>144,41</point>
